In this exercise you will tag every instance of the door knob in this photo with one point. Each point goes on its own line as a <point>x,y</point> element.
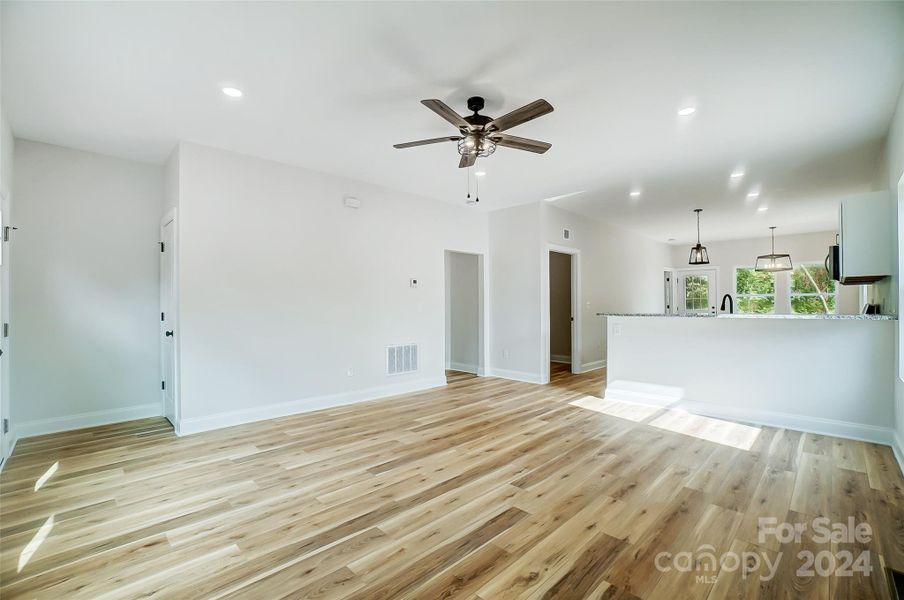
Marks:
<point>169,334</point>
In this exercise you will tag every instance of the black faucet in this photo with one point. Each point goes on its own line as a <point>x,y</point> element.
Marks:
<point>730,304</point>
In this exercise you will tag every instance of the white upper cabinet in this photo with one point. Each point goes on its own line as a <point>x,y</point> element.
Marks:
<point>865,224</point>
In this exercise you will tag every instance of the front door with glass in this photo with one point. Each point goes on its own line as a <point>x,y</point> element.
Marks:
<point>697,289</point>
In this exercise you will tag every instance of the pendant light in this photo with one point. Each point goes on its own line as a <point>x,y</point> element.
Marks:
<point>773,263</point>
<point>699,255</point>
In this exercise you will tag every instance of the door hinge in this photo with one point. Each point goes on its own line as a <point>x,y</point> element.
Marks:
<point>162,317</point>
<point>5,425</point>
<point>162,385</point>
<point>6,330</point>
<point>6,231</point>
<point>162,247</point>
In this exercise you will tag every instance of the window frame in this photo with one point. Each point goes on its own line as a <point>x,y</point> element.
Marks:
<point>738,295</point>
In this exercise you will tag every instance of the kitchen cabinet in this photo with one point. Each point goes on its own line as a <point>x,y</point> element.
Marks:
<point>866,234</point>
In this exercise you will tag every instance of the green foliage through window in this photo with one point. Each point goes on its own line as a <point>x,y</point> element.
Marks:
<point>805,298</point>
<point>696,292</point>
<point>755,291</point>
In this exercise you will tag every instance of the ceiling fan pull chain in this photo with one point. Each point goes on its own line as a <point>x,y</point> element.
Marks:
<point>468,174</point>
<point>476,189</point>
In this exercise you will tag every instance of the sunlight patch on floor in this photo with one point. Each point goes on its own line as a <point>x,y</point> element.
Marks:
<point>35,543</point>
<point>47,475</point>
<point>617,408</point>
<point>722,432</point>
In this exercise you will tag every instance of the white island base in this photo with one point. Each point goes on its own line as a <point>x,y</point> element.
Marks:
<point>828,376</point>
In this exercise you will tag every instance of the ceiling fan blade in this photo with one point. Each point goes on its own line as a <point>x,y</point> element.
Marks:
<point>425,142</point>
<point>443,110</point>
<point>467,160</point>
<point>520,143</point>
<point>526,113</point>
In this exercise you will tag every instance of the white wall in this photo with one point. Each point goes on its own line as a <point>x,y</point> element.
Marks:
<point>803,248</point>
<point>514,281</point>
<point>282,288</point>
<point>621,271</point>
<point>462,312</point>
<point>84,303</point>
<point>560,306</point>
<point>827,376</point>
<point>891,172</point>
<point>7,146</point>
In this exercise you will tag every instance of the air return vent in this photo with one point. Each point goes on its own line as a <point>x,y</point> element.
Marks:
<point>401,359</point>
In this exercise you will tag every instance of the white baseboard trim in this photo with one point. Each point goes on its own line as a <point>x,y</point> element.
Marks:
<point>560,358</point>
<point>188,426</point>
<point>808,424</point>
<point>592,366</point>
<point>516,375</point>
<point>28,429</point>
<point>465,368</point>
<point>751,416</point>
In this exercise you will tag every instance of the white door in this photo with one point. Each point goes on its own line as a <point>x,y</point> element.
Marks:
<point>697,289</point>
<point>168,317</point>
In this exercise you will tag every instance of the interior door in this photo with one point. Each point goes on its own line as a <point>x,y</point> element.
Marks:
<point>167,318</point>
<point>697,289</point>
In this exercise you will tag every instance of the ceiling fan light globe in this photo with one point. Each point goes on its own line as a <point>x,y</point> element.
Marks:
<point>481,146</point>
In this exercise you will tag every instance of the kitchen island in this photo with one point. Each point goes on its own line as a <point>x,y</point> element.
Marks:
<point>830,374</point>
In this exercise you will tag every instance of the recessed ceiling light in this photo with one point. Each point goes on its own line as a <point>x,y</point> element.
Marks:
<point>737,174</point>
<point>762,209</point>
<point>233,92</point>
<point>480,173</point>
<point>635,194</point>
<point>686,111</point>
<point>753,195</point>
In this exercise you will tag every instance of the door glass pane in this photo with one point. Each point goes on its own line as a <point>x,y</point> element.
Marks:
<point>696,292</point>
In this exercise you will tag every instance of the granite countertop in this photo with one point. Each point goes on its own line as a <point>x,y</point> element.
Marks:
<point>737,316</point>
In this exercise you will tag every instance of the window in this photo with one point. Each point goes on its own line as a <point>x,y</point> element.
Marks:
<point>755,291</point>
<point>812,290</point>
<point>696,293</point>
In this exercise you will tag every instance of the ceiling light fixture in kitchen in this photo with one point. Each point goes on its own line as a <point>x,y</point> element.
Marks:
<point>699,255</point>
<point>773,263</point>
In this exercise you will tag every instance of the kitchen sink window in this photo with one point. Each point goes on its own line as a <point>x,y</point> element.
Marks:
<point>812,290</point>
<point>755,291</point>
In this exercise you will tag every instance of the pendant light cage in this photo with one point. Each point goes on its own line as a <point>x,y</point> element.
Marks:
<point>773,263</point>
<point>699,255</point>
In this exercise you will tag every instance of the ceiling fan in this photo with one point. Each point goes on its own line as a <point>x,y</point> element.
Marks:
<point>481,134</point>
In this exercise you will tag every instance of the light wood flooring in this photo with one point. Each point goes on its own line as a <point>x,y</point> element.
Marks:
<point>485,489</point>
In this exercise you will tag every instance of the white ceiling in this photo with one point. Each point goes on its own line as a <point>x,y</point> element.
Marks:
<point>799,95</point>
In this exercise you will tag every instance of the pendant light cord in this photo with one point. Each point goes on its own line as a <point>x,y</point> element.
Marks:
<point>698,211</point>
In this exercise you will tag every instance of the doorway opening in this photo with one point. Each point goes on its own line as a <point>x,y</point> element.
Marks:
<point>561,312</point>
<point>464,352</point>
<point>561,321</point>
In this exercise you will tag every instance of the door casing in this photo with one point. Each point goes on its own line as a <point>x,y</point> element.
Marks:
<point>169,294</point>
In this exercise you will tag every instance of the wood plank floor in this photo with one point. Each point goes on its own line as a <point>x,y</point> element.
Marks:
<point>485,489</point>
